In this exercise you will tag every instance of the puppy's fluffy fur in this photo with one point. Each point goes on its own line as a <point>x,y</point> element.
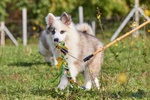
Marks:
<point>80,41</point>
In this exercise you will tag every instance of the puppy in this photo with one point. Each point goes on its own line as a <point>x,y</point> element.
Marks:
<point>80,42</point>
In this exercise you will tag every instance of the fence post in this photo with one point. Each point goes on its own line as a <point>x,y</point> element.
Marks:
<point>10,36</point>
<point>2,34</point>
<point>24,24</point>
<point>93,26</point>
<point>136,33</point>
<point>81,14</point>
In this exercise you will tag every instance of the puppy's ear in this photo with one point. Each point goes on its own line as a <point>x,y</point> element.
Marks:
<point>65,18</point>
<point>49,19</point>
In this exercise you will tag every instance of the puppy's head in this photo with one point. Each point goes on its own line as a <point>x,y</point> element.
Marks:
<point>58,26</point>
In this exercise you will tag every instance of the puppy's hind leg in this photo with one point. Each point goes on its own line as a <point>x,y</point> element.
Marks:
<point>95,66</point>
<point>88,83</point>
<point>97,82</point>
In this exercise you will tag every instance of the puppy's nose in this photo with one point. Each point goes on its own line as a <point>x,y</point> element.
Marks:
<point>56,40</point>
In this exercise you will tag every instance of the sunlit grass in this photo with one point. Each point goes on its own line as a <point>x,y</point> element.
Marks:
<point>25,75</point>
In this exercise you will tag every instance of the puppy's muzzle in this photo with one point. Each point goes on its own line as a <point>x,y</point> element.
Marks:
<point>56,40</point>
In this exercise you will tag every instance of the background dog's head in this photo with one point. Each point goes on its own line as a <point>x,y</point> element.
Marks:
<point>58,26</point>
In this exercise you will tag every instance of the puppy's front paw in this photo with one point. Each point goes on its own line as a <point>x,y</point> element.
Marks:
<point>62,86</point>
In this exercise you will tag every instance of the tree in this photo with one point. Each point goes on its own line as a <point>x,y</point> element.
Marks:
<point>38,9</point>
<point>3,13</point>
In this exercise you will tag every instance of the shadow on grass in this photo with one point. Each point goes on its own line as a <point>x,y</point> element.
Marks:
<point>56,93</point>
<point>78,94</point>
<point>53,92</point>
<point>128,94</point>
<point>29,64</point>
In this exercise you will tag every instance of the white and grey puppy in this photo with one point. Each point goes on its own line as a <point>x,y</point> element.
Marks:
<point>46,44</point>
<point>80,42</point>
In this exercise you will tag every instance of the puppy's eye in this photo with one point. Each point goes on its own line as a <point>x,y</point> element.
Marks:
<point>62,31</point>
<point>53,31</point>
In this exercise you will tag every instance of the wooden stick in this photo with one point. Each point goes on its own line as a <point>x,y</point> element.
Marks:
<point>116,40</point>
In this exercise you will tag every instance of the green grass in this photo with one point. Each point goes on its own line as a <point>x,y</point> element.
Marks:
<point>25,76</point>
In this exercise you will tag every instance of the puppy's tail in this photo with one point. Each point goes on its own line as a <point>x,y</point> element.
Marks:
<point>85,28</point>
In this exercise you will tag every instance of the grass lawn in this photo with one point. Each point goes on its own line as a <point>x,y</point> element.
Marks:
<point>125,74</point>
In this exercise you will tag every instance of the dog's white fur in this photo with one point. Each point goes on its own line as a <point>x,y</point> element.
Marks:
<point>80,41</point>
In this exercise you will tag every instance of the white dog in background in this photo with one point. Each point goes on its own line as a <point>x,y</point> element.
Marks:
<point>80,41</point>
